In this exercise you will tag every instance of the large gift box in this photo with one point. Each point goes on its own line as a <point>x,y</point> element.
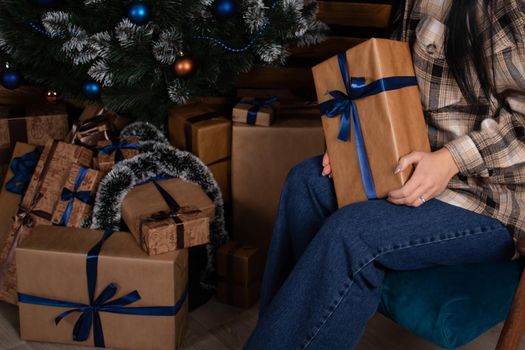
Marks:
<point>35,125</point>
<point>77,197</point>
<point>167,215</point>
<point>38,204</point>
<point>261,159</point>
<point>221,171</point>
<point>199,129</point>
<point>119,298</point>
<point>372,117</point>
<point>255,111</point>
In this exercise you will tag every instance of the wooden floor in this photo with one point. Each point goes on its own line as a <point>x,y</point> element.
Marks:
<point>216,326</point>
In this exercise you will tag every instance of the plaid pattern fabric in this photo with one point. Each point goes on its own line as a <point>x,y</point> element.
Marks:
<point>487,141</point>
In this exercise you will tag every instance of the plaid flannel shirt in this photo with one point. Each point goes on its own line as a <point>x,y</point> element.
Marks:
<point>487,141</point>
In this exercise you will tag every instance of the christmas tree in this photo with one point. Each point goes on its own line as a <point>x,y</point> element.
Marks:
<point>142,57</point>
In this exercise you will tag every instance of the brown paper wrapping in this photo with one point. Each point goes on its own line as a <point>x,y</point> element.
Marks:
<point>33,125</point>
<point>265,115</point>
<point>392,122</point>
<point>9,201</point>
<point>79,210</point>
<point>239,264</point>
<point>38,205</point>
<point>52,264</point>
<point>238,295</point>
<point>222,173</point>
<point>261,159</point>
<point>164,235</point>
<point>198,129</point>
<point>105,162</point>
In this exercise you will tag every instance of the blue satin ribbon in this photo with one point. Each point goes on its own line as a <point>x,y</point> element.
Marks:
<point>90,313</point>
<point>344,104</point>
<point>23,168</point>
<point>68,195</point>
<point>117,147</point>
<point>257,104</point>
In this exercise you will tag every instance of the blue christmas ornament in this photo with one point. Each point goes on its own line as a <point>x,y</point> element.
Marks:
<point>139,13</point>
<point>91,90</point>
<point>10,79</point>
<point>224,9</point>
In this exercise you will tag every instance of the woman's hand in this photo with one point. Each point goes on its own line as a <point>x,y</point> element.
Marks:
<point>327,169</point>
<point>430,178</point>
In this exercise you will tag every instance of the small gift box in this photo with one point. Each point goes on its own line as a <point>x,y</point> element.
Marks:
<point>255,111</point>
<point>89,133</point>
<point>197,128</point>
<point>372,116</point>
<point>95,288</point>
<point>110,153</point>
<point>77,197</point>
<point>38,205</point>
<point>34,125</point>
<point>238,263</point>
<point>168,215</point>
<point>238,295</point>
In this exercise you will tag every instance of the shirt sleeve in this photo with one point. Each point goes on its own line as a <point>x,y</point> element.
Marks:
<point>499,142</point>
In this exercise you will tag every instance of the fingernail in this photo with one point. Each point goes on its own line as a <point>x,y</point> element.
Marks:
<point>398,169</point>
<point>322,173</point>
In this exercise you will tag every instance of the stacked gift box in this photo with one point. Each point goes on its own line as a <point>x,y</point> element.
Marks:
<point>32,124</point>
<point>133,285</point>
<point>202,129</point>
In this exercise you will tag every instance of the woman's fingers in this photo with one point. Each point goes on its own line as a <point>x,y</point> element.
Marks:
<point>405,161</point>
<point>327,169</point>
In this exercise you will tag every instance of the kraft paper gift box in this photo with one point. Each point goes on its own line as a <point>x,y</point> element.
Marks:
<point>255,111</point>
<point>199,129</point>
<point>238,295</point>
<point>238,263</point>
<point>90,132</point>
<point>222,173</point>
<point>76,199</point>
<point>167,215</point>
<point>261,159</point>
<point>52,267</point>
<point>38,204</point>
<point>34,125</point>
<point>9,200</point>
<point>391,121</point>
<point>110,153</point>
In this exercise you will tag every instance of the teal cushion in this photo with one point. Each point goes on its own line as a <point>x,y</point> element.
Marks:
<point>451,305</point>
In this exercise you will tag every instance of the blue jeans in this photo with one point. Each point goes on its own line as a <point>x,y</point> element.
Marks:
<point>325,266</point>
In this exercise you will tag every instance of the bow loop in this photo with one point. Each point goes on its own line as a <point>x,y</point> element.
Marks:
<point>257,104</point>
<point>23,168</point>
<point>117,147</point>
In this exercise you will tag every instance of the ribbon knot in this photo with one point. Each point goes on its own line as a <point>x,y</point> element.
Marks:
<point>70,196</point>
<point>23,168</point>
<point>90,313</point>
<point>343,104</point>
<point>117,147</point>
<point>257,104</point>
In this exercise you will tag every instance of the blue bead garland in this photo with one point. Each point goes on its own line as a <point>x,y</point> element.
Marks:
<point>245,47</point>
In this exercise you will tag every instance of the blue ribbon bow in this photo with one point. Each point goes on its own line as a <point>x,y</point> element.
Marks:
<point>117,147</point>
<point>90,313</point>
<point>344,104</point>
<point>257,104</point>
<point>23,168</point>
<point>68,195</point>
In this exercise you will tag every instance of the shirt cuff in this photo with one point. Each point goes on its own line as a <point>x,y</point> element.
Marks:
<point>466,155</point>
